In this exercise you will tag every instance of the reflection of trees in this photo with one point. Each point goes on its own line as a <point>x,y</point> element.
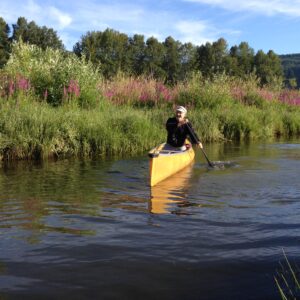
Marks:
<point>233,153</point>
<point>2,268</point>
<point>31,193</point>
<point>3,297</point>
<point>66,181</point>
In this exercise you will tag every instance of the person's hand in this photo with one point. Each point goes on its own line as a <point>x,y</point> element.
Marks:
<point>200,145</point>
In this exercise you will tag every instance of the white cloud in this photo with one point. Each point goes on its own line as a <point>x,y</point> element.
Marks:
<point>88,13</point>
<point>63,19</point>
<point>197,32</point>
<point>32,8</point>
<point>270,8</point>
<point>40,13</point>
<point>200,32</point>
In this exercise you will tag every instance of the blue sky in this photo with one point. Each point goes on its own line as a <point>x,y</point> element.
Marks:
<point>273,24</point>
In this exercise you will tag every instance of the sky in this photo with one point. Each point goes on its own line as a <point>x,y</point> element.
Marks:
<point>265,25</point>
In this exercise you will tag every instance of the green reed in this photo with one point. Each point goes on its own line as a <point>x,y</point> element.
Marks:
<point>37,130</point>
<point>287,280</point>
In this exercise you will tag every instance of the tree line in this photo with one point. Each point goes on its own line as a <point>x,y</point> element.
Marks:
<point>170,60</point>
<point>291,69</point>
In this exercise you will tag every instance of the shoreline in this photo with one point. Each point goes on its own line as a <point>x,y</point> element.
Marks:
<point>36,130</point>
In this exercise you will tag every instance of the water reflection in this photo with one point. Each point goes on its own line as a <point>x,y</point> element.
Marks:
<point>171,192</point>
<point>67,218</point>
<point>40,199</point>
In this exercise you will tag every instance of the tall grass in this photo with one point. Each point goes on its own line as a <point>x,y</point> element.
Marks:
<point>37,130</point>
<point>287,280</point>
<point>32,129</point>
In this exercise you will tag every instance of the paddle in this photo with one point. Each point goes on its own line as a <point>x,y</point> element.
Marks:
<point>197,139</point>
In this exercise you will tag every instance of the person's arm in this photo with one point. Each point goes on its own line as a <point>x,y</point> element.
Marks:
<point>193,135</point>
<point>170,124</point>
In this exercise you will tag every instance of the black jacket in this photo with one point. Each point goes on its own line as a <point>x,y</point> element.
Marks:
<point>178,134</point>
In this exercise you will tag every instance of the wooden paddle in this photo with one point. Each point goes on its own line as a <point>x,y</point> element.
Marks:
<point>197,139</point>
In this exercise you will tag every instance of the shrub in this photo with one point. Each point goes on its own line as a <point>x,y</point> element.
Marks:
<point>52,71</point>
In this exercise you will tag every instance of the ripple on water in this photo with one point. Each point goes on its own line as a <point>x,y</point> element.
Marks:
<point>90,226</point>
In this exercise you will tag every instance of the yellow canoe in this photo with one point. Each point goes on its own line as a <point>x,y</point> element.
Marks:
<point>164,163</point>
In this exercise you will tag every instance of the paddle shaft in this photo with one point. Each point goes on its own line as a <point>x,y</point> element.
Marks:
<point>197,139</point>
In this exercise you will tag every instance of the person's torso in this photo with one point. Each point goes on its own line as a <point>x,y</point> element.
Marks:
<point>176,134</point>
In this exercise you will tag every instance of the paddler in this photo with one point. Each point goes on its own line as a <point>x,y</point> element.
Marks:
<point>179,128</point>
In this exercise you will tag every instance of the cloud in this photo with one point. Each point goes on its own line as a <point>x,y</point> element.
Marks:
<point>32,8</point>
<point>88,13</point>
<point>200,32</point>
<point>269,8</point>
<point>197,32</point>
<point>63,19</point>
<point>40,13</point>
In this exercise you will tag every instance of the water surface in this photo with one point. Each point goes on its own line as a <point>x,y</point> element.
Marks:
<point>95,229</point>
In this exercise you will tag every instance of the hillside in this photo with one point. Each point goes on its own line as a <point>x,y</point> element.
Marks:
<point>291,66</point>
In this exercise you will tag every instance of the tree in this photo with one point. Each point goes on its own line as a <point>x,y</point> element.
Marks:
<point>137,53</point>
<point>171,62</point>
<point>275,64</point>
<point>109,49</point>
<point>4,42</point>
<point>20,29</point>
<point>187,54</point>
<point>233,62</point>
<point>220,53</point>
<point>153,61</point>
<point>205,60</point>
<point>88,46</point>
<point>268,68</point>
<point>245,57</point>
<point>114,51</point>
<point>212,58</point>
<point>33,34</point>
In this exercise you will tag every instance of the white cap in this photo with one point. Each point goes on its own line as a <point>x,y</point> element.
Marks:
<point>181,108</point>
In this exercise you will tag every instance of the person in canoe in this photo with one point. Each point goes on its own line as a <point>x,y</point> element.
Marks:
<point>179,128</point>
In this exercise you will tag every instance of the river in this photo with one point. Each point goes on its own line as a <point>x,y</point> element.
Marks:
<point>93,229</point>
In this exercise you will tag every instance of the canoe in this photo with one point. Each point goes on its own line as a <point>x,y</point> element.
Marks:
<point>165,163</point>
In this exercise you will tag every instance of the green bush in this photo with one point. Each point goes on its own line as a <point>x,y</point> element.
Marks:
<point>55,76</point>
<point>240,122</point>
<point>203,93</point>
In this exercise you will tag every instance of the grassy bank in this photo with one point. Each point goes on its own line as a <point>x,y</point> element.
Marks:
<point>53,105</point>
<point>36,130</point>
<point>32,129</point>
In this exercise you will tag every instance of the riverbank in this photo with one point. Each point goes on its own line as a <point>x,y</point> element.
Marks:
<point>57,105</point>
<point>37,130</point>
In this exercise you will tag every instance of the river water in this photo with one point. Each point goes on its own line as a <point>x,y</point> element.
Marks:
<point>95,230</point>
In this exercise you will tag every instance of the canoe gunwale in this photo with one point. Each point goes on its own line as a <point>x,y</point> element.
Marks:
<point>159,160</point>
<point>167,153</point>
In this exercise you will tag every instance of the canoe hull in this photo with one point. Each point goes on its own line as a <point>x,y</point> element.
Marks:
<point>164,164</point>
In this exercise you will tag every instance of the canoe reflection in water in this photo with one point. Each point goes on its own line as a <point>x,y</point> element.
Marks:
<point>171,192</point>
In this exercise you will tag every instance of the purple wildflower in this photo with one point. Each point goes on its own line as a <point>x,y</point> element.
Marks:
<point>11,88</point>
<point>23,84</point>
<point>45,94</point>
